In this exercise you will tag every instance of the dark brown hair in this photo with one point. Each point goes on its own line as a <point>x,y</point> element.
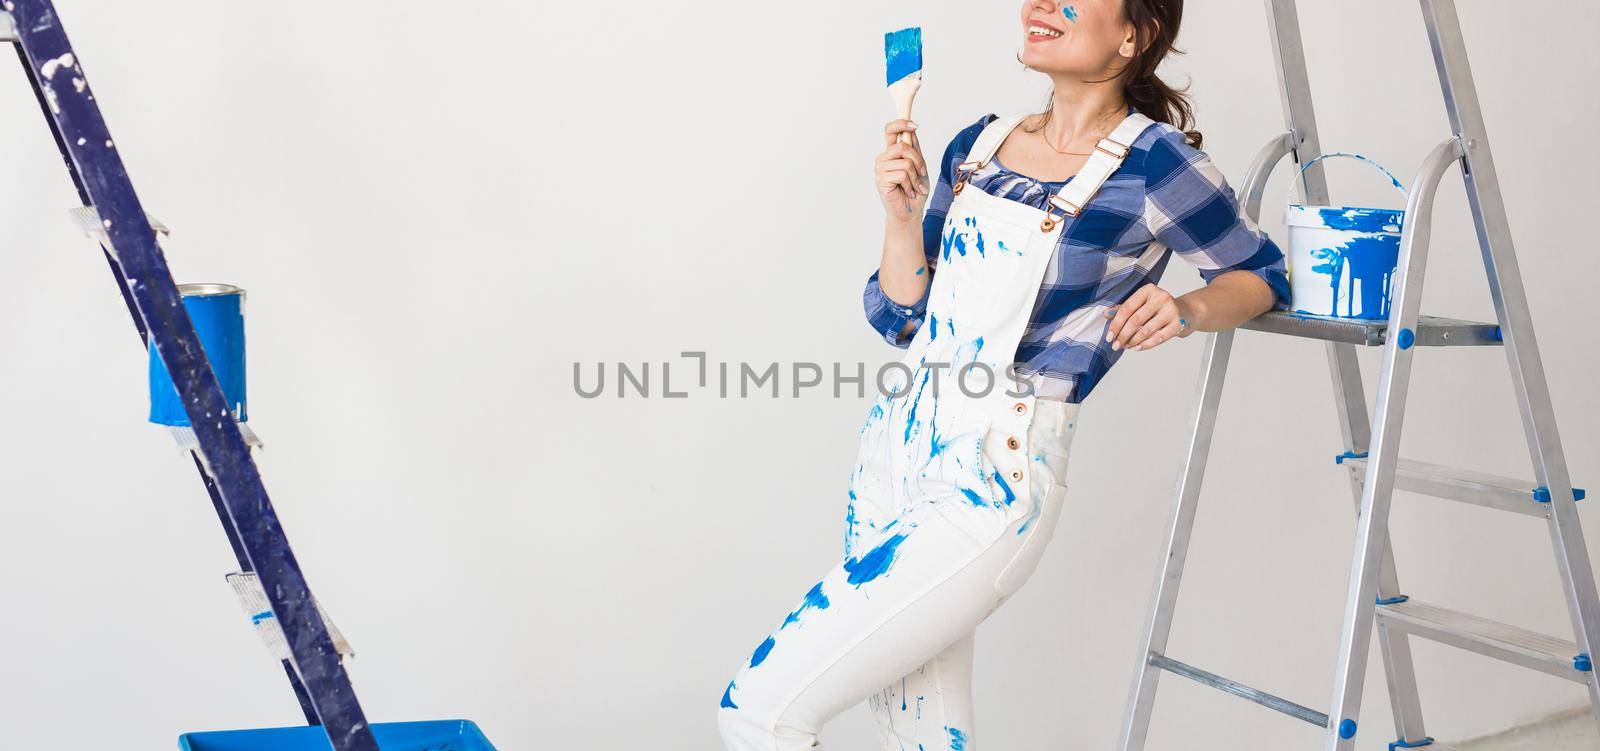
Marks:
<point>1155,24</point>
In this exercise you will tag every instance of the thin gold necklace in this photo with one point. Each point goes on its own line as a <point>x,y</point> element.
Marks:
<point>1046,138</point>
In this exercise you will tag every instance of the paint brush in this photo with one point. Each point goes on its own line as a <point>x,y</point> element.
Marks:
<point>903,52</point>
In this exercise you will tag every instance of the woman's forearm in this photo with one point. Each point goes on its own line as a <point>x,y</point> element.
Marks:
<point>1228,301</point>
<point>903,270</point>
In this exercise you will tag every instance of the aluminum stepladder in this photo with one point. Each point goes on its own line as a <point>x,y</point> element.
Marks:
<point>223,456</point>
<point>1371,453</point>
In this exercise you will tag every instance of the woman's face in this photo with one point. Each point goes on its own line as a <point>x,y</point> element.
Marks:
<point>1087,39</point>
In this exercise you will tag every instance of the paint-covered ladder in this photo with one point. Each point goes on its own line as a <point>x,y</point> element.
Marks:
<point>222,453</point>
<point>269,580</point>
<point>1372,450</point>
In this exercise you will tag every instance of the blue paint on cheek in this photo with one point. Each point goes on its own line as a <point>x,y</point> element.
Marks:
<point>1071,12</point>
<point>958,739</point>
<point>762,651</point>
<point>727,697</point>
<point>875,563</point>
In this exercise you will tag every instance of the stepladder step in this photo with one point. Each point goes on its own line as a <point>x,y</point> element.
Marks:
<point>1431,331</point>
<point>1465,485</point>
<point>1513,644</point>
<point>1270,701</point>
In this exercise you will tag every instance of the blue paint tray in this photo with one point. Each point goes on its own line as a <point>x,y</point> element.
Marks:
<point>440,735</point>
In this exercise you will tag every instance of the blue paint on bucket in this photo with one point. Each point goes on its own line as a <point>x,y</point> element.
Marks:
<point>218,314</point>
<point>1342,260</point>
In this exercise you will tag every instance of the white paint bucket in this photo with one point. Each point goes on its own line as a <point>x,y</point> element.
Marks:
<point>1342,259</point>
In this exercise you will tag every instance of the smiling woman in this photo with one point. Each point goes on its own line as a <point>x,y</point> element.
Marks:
<point>1038,257</point>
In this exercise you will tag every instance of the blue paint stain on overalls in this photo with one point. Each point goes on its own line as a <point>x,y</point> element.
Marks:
<point>760,655</point>
<point>930,483</point>
<point>875,563</point>
<point>814,600</point>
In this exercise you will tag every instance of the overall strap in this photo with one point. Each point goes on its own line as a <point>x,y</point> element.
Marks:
<point>1102,164</point>
<point>984,149</point>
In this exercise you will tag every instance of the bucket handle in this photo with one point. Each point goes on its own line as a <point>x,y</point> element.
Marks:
<point>1300,177</point>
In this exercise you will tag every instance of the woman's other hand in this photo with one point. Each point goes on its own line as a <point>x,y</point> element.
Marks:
<point>1151,317</point>
<point>901,173</point>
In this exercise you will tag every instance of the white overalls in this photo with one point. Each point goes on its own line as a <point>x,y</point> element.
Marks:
<point>955,494</point>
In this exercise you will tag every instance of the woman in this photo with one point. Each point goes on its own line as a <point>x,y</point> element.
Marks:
<point>1036,263</point>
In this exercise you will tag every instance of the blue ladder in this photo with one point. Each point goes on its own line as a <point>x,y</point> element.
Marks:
<point>223,457</point>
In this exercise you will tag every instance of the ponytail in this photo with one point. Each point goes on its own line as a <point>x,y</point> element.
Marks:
<point>1158,101</point>
<point>1156,23</point>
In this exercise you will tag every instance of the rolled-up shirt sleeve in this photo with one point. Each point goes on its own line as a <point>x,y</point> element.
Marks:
<point>889,318</point>
<point>1191,210</point>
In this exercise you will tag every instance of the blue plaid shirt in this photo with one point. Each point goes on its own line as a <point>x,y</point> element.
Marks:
<point>1167,197</point>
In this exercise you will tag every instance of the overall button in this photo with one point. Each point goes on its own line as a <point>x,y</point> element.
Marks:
<point>1016,475</point>
<point>1013,444</point>
<point>1020,408</point>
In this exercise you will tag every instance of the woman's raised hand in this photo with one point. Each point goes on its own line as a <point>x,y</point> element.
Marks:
<point>901,174</point>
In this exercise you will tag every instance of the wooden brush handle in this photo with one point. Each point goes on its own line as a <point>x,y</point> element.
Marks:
<point>905,95</point>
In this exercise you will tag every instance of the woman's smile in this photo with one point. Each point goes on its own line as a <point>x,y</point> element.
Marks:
<point>1039,31</point>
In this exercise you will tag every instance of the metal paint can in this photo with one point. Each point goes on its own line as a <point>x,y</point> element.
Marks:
<point>1342,259</point>
<point>217,311</point>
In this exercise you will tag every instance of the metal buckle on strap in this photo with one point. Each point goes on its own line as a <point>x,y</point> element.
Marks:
<point>1121,151</point>
<point>1067,207</point>
<point>963,172</point>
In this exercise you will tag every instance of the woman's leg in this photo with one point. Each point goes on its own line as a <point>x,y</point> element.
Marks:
<point>932,707</point>
<point>917,589</point>
<point>905,598</point>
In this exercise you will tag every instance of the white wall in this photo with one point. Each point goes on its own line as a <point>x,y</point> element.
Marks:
<point>438,209</point>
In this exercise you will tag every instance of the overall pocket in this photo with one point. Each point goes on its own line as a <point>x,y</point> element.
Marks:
<point>1035,533</point>
<point>1047,449</point>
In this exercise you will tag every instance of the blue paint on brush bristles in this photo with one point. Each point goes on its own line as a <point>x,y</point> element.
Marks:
<point>903,52</point>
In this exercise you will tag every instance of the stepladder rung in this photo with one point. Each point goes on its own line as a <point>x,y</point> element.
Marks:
<point>1431,331</point>
<point>1204,678</point>
<point>1513,644</point>
<point>1465,485</point>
